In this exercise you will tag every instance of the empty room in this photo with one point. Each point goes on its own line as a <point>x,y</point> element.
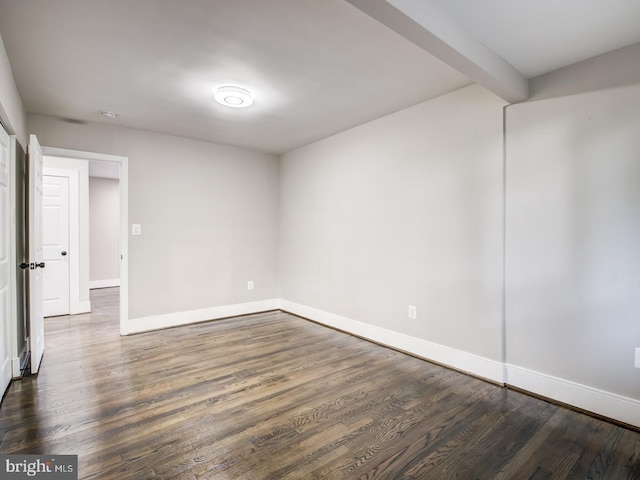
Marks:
<point>320,239</point>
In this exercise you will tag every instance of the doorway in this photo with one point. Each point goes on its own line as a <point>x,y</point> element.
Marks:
<point>104,225</point>
<point>82,162</point>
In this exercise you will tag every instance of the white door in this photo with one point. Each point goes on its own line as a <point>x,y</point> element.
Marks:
<point>55,245</point>
<point>36,264</point>
<point>5,261</point>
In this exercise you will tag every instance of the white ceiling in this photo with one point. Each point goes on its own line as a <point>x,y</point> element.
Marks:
<point>539,36</point>
<point>316,67</point>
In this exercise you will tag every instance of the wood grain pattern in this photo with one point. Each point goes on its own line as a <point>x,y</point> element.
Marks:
<point>273,396</point>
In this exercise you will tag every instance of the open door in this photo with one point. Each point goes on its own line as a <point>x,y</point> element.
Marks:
<point>6,265</point>
<point>35,254</point>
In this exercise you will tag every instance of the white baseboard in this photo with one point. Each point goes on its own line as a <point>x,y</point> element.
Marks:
<point>15,367</point>
<point>604,403</point>
<point>458,359</point>
<point>156,322</point>
<point>6,372</point>
<point>110,282</point>
<point>82,307</point>
<point>617,407</point>
<point>600,402</point>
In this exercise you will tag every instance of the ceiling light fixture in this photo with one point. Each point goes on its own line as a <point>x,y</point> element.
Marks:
<point>111,115</point>
<point>231,96</point>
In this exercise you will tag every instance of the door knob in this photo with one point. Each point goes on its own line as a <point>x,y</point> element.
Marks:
<point>31,266</point>
<point>63,253</point>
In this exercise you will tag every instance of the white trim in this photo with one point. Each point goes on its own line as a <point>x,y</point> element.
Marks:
<point>458,359</point>
<point>604,403</point>
<point>13,261</point>
<point>157,322</point>
<point>123,163</point>
<point>15,367</point>
<point>124,244</point>
<point>109,282</point>
<point>82,307</point>
<point>7,366</point>
<point>82,155</point>
<point>591,399</point>
<point>74,233</point>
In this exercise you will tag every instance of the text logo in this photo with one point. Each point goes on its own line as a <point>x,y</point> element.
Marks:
<point>50,467</point>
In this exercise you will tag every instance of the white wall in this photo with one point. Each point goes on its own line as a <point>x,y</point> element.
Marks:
<point>104,232</point>
<point>407,209</point>
<point>208,214</point>
<point>11,109</point>
<point>573,245</point>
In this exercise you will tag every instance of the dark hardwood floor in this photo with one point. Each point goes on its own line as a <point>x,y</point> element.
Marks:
<point>272,396</point>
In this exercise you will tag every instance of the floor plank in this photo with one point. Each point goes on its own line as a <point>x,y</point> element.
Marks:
<point>273,396</point>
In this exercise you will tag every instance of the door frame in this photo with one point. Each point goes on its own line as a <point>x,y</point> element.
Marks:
<point>17,275</point>
<point>123,163</point>
<point>6,315</point>
<point>75,305</point>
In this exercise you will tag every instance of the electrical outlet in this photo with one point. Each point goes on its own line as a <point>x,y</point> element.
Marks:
<point>413,312</point>
<point>250,285</point>
<point>637,357</point>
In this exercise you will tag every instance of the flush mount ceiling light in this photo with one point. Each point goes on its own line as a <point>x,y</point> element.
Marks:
<point>111,115</point>
<point>231,96</point>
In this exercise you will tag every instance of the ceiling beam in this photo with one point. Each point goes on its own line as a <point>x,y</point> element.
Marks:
<point>429,27</point>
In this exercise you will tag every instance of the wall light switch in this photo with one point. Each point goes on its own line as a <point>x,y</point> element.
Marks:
<point>136,229</point>
<point>637,357</point>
